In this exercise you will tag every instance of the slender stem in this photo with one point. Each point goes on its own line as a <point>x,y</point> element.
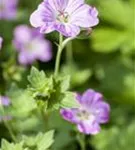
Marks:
<point>58,57</point>
<point>8,127</point>
<point>82,145</point>
<point>44,118</point>
<point>10,131</point>
<point>81,140</point>
<point>69,54</point>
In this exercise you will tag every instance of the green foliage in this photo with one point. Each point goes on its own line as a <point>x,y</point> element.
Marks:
<point>64,136</point>
<point>45,141</point>
<point>22,102</point>
<point>40,142</point>
<point>119,33</point>
<point>107,40</point>
<point>11,71</point>
<point>22,110</point>
<point>51,92</point>
<point>117,80</point>
<point>116,138</point>
<point>11,146</point>
<point>36,77</point>
<point>78,76</point>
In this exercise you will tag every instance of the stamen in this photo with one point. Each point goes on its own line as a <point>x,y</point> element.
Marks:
<point>63,17</point>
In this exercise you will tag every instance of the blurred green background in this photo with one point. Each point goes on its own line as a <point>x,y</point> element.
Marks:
<point>104,61</point>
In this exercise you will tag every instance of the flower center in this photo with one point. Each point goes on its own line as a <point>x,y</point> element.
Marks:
<point>84,115</point>
<point>63,17</point>
<point>29,46</point>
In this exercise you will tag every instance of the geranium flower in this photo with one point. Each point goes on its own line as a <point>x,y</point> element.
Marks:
<point>5,118</point>
<point>4,101</point>
<point>8,9</point>
<point>92,112</point>
<point>31,45</point>
<point>64,16</point>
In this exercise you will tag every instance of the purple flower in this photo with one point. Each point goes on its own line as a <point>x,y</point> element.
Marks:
<point>5,118</point>
<point>1,40</point>
<point>31,45</point>
<point>93,111</point>
<point>64,16</point>
<point>8,9</point>
<point>4,101</point>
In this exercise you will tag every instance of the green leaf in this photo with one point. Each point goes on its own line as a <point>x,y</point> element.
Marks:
<point>116,12</point>
<point>22,102</point>
<point>36,78</point>
<point>52,93</point>
<point>119,138</point>
<point>40,86</point>
<point>26,124</point>
<point>46,141</point>
<point>64,130</point>
<point>116,80</point>
<point>41,141</point>
<point>11,146</point>
<point>108,40</point>
<point>115,34</point>
<point>69,100</point>
<point>65,83</point>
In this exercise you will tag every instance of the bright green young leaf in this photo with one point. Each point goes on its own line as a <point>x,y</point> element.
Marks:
<point>27,124</point>
<point>22,102</point>
<point>36,78</point>
<point>41,141</point>
<point>46,141</point>
<point>69,101</point>
<point>65,83</point>
<point>40,86</point>
<point>11,146</point>
<point>52,93</point>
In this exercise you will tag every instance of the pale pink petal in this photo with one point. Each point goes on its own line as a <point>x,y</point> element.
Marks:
<point>90,98</point>
<point>35,19</point>
<point>73,5</point>
<point>102,111</point>
<point>88,127</point>
<point>70,115</point>
<point>68,30</point>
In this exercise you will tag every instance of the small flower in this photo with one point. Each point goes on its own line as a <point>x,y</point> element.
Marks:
<point>64,16</point>
<point>1,40</point>
<point>93,111</point>
<point>4,100</point>
<point>31,45</point>
<point>5,118</point>
<point>8,9</point>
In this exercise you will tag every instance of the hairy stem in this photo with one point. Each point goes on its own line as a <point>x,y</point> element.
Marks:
<point>61,46</point>
<point>8,126</point>
<point>81,141</point>
<point>58,57</point>
<point>69,54</point>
